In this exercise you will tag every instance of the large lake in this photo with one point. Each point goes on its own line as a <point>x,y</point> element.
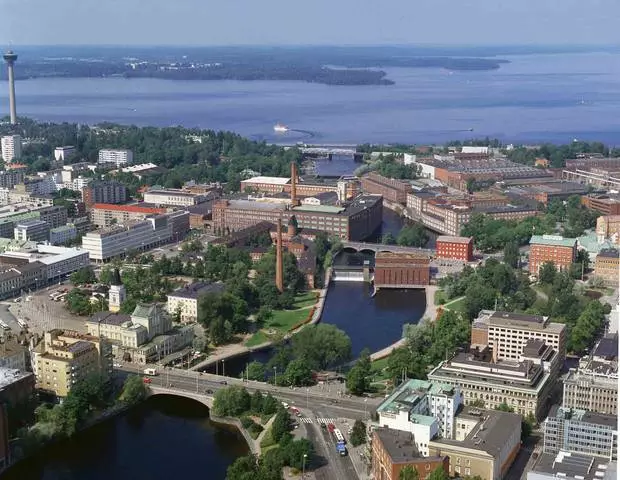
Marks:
<point>534,98</point>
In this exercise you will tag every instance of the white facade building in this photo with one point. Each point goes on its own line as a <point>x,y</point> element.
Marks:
<point>186,300</point>
<point>63,234</point>
<point>61,153</point>
<point>11,147</point>
<point>173,197</point>
<point>118,240</point>
<point>116,157</point>
<point>425,409</point>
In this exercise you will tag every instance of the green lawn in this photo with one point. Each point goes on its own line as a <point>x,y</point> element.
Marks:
<point>377,370</point>
<point>457,305</point>
<point>440,297</point>
<point>283,320</point>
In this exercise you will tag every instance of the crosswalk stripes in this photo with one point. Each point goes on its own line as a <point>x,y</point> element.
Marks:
<point>304,420</point>
<point>325,420</point>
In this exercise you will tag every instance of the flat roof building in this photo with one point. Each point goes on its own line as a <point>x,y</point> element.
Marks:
<point>580,431</point>
<point>115,157</point>
<point>487,443</point>
<point>561,251</point>
<point>393,450</point>
<point>185,301</point>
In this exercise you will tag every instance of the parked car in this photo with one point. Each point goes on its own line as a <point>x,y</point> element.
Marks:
<point>147,380</point>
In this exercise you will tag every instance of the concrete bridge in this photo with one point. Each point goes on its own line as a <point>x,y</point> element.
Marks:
<point>378,247</point>
<point>203,398</point>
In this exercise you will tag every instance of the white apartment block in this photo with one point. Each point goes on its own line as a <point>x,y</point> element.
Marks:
<point>63,234</point>
<point>78,184</point>
<point>115,157</point>
<point>173,197</point>
<point>57,261</point>
<point>186,300</point>
<point>117,241</point>
<point>61,153</point>
<point>11,147</point>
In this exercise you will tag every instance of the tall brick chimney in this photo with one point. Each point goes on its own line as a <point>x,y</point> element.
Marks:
<point>279,264</point>
<point>294,202</point>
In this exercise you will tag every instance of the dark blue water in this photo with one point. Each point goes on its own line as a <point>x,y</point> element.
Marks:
<point>164,438</point>
<point>534,98</point>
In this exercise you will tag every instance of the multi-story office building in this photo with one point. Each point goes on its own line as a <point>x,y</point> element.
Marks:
<point>11,148</point>
<point>486,444</point>
<point>355,220</point>
<point>572,466</point>
<point>551,248</point>
<point>455,248</point>
<point>607,266</point>
<point>425,409</point>
<point>508,333</point>
<point>115,241</point>
<point>391,189</point>
<point>64,358</point>
<point>393,450</point>
<point>105,215</point>
<point>593,385</point>
<point>57,261</point>
<point>524,386</point>
<point>115,157</point>
<point>173,197</point>
<point>185,301</point>
<point>62,235</point>
<point>106,192</point>
<point>580,431</point>
<point>62,153</point>
<point>33,230</point>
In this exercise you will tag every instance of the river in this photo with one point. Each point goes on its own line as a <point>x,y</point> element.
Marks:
<point>164,438</point>
<point>535,98</point>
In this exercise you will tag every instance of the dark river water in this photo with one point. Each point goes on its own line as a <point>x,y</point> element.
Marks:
<point>164,438</point>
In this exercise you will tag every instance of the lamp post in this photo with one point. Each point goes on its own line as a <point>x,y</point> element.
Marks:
<point>223,371</point>
<point>303,466</point>
<point>275,376</point>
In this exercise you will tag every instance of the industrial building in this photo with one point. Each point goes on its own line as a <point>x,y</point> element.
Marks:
<point>561,251</point>
<point>391,189</point>
<point>401,270</point>
<point>173,197</point>
<point>455,248</point>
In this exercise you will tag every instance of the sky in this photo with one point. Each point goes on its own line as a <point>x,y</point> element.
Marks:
<point>309,22</point>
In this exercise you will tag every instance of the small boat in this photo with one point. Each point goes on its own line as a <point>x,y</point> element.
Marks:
<point>278,127</point>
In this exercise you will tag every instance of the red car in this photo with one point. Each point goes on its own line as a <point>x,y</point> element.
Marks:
<point>330,427</point>
<point>147,380</point>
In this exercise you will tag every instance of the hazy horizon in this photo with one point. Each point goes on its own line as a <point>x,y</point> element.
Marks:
<point>320,23</point>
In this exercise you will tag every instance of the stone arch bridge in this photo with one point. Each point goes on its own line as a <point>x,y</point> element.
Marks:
<point>378,247</point>
<point>203,398</point>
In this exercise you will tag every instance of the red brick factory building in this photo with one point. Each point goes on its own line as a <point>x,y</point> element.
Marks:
<point>400,270</point>
<point>455,248</point>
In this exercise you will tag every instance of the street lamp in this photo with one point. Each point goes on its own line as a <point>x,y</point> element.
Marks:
<point>223,371</point>
<point>275,376</point>
<point>303,466</point>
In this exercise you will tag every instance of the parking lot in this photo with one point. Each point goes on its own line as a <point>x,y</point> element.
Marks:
<point>40,312</point>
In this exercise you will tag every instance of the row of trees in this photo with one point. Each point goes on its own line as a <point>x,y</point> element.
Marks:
<point>427,344</point>
<point>235,401</point>
<point>314,348</point>
<point>491,285</point>
<point>565,302</point>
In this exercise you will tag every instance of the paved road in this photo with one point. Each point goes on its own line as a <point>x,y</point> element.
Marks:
<point>195,382</point>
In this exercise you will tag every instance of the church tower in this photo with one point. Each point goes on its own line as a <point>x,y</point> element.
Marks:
<point>117,292</point>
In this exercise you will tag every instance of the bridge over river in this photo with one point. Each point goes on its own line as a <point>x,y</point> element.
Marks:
<point>379,247</point>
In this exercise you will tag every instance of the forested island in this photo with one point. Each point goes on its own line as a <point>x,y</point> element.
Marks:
<point>337,66</point>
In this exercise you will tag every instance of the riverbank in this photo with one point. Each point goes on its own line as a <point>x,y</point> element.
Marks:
<point>236,350</point>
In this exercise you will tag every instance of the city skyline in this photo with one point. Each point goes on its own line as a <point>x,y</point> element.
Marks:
<point>276,22</point>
